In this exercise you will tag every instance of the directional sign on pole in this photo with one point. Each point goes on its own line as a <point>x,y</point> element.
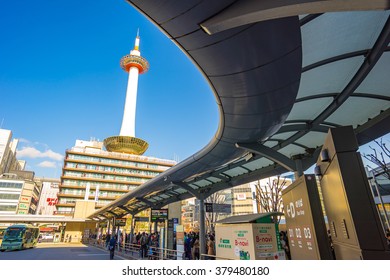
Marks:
<point>218,208</point>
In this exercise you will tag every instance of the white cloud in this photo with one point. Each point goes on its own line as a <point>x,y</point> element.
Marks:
<point>31,152</point>
<point>47,164</point>
<point>22,140</point>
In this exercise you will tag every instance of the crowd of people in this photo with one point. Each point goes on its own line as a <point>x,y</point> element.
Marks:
<point>285,244</point>
<point>148,244</point>
<point>192,246</point>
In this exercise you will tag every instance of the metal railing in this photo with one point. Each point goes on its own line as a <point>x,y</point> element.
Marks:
<point>133,251</point>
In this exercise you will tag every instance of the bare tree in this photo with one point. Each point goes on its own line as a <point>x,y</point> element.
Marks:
<point>380,158</point>
<point>269,196</point>
<point>212,217</point>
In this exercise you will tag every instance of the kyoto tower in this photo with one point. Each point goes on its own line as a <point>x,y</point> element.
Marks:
<point>126,142</point>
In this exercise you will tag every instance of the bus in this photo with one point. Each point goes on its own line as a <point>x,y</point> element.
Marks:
<point>17,237</point>
<point>2,230</point>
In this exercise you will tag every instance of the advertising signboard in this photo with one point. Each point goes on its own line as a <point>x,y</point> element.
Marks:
<point>248,241</point>
<point>180,241</point>
<point>23,206</point>
<point>25,199</point>
<point>243,242</point>
<point>267,242</point>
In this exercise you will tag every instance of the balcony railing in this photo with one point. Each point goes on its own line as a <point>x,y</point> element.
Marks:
<point>121,156</point>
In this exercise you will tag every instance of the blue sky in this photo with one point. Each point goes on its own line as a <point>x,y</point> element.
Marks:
<point>60,80</point>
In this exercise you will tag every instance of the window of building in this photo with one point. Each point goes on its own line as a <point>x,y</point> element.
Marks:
<point>8,207</point>
<point>9,196</point>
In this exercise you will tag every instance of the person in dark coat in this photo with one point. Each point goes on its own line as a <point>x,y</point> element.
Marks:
<point>111,247</point>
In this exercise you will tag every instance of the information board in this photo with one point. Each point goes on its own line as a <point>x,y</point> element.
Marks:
<point>159,214</point>
<point>304,220</point>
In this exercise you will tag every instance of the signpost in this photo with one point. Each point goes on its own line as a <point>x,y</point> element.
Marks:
<point>218,208</point>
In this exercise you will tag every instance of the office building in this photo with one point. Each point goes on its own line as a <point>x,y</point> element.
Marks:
<point>19,194</point>
<point>8,147</point>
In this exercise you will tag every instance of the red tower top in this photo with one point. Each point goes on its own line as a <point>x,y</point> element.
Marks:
<point>134,59</point>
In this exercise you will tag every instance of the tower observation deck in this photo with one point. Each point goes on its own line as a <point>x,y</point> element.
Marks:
<point>126,142</point>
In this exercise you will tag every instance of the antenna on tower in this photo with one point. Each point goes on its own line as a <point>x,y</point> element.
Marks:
<point>138,32</point>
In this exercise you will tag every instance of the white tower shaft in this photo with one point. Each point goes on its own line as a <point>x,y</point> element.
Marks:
<point>128,122</point>
<point>126,142</point>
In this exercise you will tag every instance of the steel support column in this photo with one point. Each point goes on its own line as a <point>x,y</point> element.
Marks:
<point>202,227</point>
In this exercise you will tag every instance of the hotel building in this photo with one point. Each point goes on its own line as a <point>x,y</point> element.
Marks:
<point>91,173</point>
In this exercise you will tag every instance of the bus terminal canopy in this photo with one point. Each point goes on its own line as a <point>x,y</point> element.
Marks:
<point>282,74</point>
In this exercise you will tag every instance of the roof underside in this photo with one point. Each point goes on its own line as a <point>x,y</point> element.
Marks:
<point>280,84</point>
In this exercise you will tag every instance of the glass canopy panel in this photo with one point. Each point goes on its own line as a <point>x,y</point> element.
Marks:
<point>310,109</point>
<point>157,197</point>
<point>235,171</point>
<point>378,80</point>
<point>202,183</point>
<point>334,34</point>
<point>164,195</point>
<point>214,179</point>
<point>291,150</point>
<point>329,78</point>
<point>180,190</point>
<point>357,110</point>
<point>194,186</point>
<point>258,163</point>
<point>270,143</point>
<point>312,139</point>
<point>283,135</point>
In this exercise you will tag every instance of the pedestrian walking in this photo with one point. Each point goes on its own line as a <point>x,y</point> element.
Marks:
<point>196,249</point>
<point>111,247</point>
<point>211,248</point>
